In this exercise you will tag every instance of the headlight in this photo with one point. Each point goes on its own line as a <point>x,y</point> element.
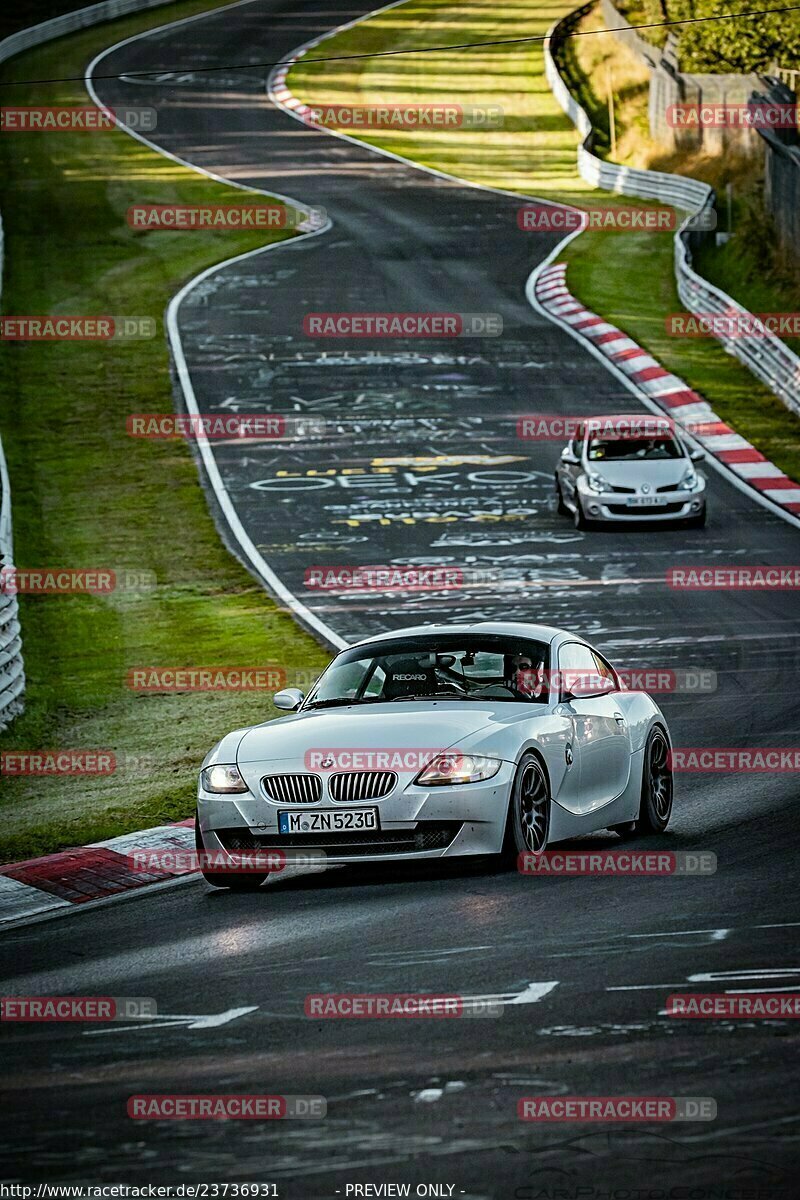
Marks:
<point>689,480</point>
<point>222,778</point>
<point>596,483</point>
<point>458,768</point>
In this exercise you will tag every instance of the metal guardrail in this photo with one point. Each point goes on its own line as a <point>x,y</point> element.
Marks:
<point>12,673</point>
<point>767,357</point>
<point>82,18</point>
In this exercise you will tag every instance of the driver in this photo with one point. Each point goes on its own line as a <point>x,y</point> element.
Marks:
<point>526,677</point>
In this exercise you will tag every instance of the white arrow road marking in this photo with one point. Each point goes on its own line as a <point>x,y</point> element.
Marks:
<point>749,975</point>
<point>529,995</point>
<point>758,973</point>
<point>167,1020</point>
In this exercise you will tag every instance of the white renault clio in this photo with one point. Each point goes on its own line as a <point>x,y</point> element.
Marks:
<point>630,468</point>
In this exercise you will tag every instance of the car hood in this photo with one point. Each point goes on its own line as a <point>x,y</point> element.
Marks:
<point>406,725</point>
<point>658,472</point>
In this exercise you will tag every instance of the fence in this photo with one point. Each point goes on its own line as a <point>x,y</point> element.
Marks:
<point>766,357</point>
<point>782,168</point>
<point>669,86</point>
<point>782,191</point>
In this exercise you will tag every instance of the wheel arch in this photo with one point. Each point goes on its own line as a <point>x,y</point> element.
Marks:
<point>535,750</point>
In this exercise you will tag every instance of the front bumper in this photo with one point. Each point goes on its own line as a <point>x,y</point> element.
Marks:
<point>418,822</point>
<point>677,505</point>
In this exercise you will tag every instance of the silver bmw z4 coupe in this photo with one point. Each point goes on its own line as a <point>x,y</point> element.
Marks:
<point>440,741</point>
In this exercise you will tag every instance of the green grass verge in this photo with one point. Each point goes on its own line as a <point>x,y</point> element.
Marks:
<point>535,152</point>
<point>86,495</point>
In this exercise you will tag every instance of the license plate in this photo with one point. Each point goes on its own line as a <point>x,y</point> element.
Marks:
<point>644,501</point>
<point>329,820</point>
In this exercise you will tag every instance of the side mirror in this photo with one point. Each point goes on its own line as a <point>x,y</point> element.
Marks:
<point>697,456</point>
<point>586,687</point>
<point>567,456</point>
<point>289,698</point>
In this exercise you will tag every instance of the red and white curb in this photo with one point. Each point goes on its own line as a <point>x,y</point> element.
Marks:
<point>686,407</point>
<point>281,92</point>
<point>96,872</point>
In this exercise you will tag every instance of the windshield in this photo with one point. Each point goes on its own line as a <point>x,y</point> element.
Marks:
<point>445,667</point>
<point>632,449</point>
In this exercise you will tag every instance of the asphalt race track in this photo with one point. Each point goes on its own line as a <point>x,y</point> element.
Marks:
<point>432,1101</point>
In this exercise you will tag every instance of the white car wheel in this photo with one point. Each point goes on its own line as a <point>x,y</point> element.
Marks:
<point>656,804</point>
<point>562,508</point>
<point>529,809</point>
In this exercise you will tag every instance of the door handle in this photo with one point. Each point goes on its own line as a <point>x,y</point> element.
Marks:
<point>618,717</point>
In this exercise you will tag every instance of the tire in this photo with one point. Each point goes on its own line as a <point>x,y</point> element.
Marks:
<point>698,522</point>
<point>561,506</point>
<point>578,517</point>
<point>528,821</point>
<point>655,806</point>
<point>226,879</point>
